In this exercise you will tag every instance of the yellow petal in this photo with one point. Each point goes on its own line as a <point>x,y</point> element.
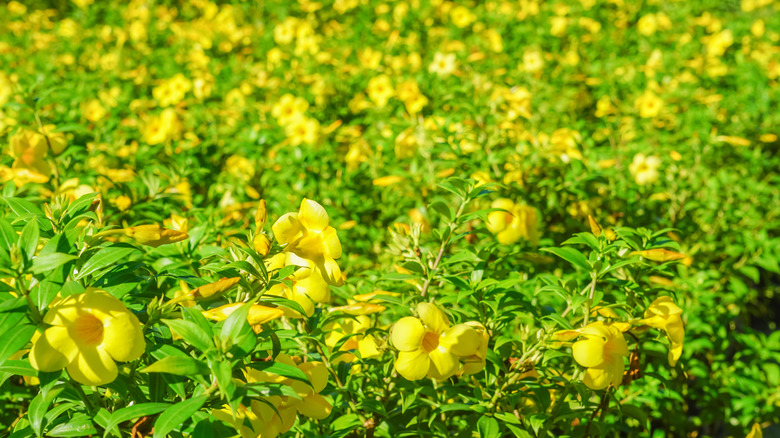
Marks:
<point>755,431</point>
<point>413,365</point>
<point>330,271</point>
<point>443,363</point>
<point>53,350</point>
<point>317,374</point>
<point>676,334</point>
<point>330,240</point>
<point>261,314</point>
<point>589,352</point>
<point>101,304</point>
<point>93,366</point>
<point>315,287</point>
<point>287,228</point>
<point>368,347</point>
<point>433,318</point>
<point>597,378</point>
<point>461,340</point>
<point>407,334</point>
<point>313,216</point>
<point>315,406</point>
<point>123,338</point>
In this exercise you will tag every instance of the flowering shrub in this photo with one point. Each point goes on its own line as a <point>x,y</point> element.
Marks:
<point>365,218</point>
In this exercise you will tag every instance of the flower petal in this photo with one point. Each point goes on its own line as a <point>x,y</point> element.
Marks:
<point>93,367</point>
<point>676,334</point>
<point>461,340</point>
<point>589,352</point>
<point>315,287</point>
<point>331,242</point>
<point>123,338</point>
<point>330,271</point>
<point>53,350</point>
<point>287,228</point>
<point>413,365</point>
<point>443,363</point>
<point>407,334</point>
<point>317,374</point>
<point>432,317</point>
<point>315,406</point>
<point>313,216</point>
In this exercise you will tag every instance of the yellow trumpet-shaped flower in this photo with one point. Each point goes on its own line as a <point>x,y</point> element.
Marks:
<point>305,291</point>
<point>308,236</point>
<point>87,333</point>
<point>601,352</point>
<point>265,421</point>
<point>518,221</point>
<point>429,346</point>
<point>355,329</point>
<point>663,314</point>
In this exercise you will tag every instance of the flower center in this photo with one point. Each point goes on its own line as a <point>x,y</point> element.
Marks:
<point>89,329</point>
<point>430,341</point>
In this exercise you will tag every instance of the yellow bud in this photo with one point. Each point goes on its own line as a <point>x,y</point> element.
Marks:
<point>257,314</point>
<point>261,244</point>
<point>595,228</point>
<point>261,215</point>
<point>154,235</point>
<point>359,309</point>
<point>374,294</point>
<point>387,180</point>
<point>660,255</point>
<point>212,290</point>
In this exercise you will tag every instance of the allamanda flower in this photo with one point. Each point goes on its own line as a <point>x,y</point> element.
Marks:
<point>663,314</point>
<point>518,221</point>
<point>308,236</point>
<point>429,346</point>
<point>601,352</point>
<point>87,333</point>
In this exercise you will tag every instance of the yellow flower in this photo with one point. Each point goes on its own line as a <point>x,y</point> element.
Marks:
<point>380,90</point>
<point>645,169</point>
<point>755,432</point>
<point>429,346</point>
<point>354,330</point>
<point>30,150</point>
<point>162,128</point>
<point>288,109</point>
<point>308,236</point>
<point>533,61</point>
<point>303,130</point>
<point>442,65</point>
<point>649,104</point>
<point>94,111</point>
<point>647,25</point>
<point>663,314</point>
<point>304,291</point>
<point>601,352</point>
<point>87,333</point>
<point>461,16</point>
<point>516,222</point>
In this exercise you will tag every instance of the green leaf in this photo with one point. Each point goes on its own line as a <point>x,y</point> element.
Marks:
<point>38,408</point>
<point>15,336</point>
<point>177,414</point>
<point>488,427</point>
<point>180,366</point>
<point>234,324</point>
<point>50,262</point>
<point>281,369</point>
<point>19,368</point>
<point>28,240</point>
<point>131,412</point>
<point>8,236</point>
<point>79,425</point>
<point>23,207</point>
<point>194,335</point>
<point>571,255</point>
<point>103,259</point>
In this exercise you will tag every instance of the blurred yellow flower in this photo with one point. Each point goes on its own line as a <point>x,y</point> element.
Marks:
<point>87,333</point>
<point>664,315</point>
<point>380,90</point>
<point>518,221</point>
<point>649,104</point>
<point>644,169</point>
<point>154,235</point>
<point>443,64</point>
